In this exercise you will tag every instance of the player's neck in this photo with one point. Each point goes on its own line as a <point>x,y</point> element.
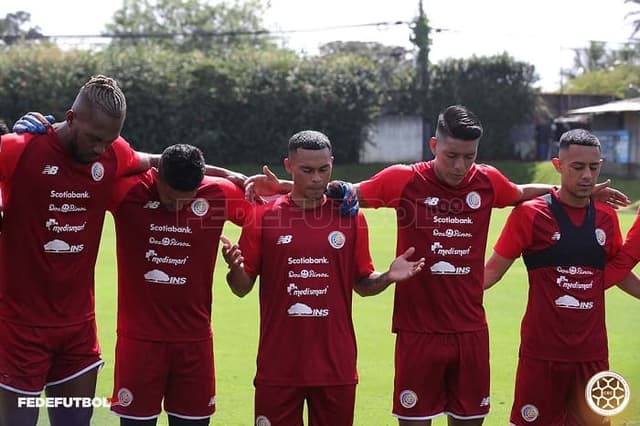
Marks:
<point>571,200</point>
<point>63,132</point>
<point>305,203</point>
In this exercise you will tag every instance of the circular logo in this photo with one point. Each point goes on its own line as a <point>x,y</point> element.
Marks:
<point>262,421</point>
<point>601,237</point>
<point>607,393</point>
<point>337,239</point>
<point>473,200</point>
<point>125,397</point>
<point>97,171</point>
<point>529,413</point>
<point>200,207</point>
<point>408,398</point>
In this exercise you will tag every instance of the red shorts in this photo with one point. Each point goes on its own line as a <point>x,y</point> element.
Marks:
<point>438,374</point>
<point>181,373</point>
<point>282,405</point>
<point>551,393</point>
<point>34,357</point>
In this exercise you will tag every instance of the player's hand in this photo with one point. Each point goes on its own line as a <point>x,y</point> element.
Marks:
<point>346,192</point>
<point>232,254</point>
<point>34,122</point>
<point>604,193</point>
<point>265,185</point>
<point>402,268</point>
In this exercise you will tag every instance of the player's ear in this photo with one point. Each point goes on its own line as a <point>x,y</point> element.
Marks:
<point>556,163</point>
<point>287,165</point>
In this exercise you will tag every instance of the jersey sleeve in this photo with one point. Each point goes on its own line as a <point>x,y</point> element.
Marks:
<point>622,258</point>
<point>12,146</point>
<point>385,188</point>
<point>506,192</point>
<point>516,234</point>
<point>250,243</point>
<point>238,209</point>
<point>120,190</point>
<point>364,264</point>
<point>127,159</point>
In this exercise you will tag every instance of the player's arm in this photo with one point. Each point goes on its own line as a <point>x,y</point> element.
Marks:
<point>240,282</point>
<point>401,269</point>
<point>532,190</point>
<point>602,192</point>
<point>631,285</point>
<point>495,269</point>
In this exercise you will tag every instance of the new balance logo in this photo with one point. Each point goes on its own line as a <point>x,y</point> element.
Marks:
<point>50,170</point>
<point>151,205</point>
<point>284,239</point>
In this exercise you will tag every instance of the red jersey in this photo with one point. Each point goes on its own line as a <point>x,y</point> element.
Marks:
<point>53,214</point>
<point>448,226</point>
<point>308,262</point>
<point>565,250</point>
<point>166,259</point>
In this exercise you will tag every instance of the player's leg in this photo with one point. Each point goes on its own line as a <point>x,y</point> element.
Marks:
<point>421,361</point>
<point>468,380</point>
<point>331,405</point>
<point>579,411</point>
<point>190,394</point>
<point>279,405</point>
<point>542,390</point>
<point>177,421</point>
<point>134,422</point>
<point>83,386</point>
<point>140,377</point>
<point>12,414</point>
<point>74,372</point>
<point>24,363</point>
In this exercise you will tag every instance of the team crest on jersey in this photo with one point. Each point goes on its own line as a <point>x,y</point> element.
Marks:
<point>200,207</point>
<point>601,236</point>
<point>97,171</point>
<point>474,200</point>
<point>408,398</point>
<point>125,398</point>
<point>337,239</point>
<point>262,421</point>
<point>529,413</point>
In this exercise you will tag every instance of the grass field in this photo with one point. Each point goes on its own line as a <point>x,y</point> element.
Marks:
<point>236,326</point>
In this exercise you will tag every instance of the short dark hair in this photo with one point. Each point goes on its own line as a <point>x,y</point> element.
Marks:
<point>459,122</point>
<point>4,129</point>
<point>309,139</point>
<point>578,137</point>
<point>182,167</point>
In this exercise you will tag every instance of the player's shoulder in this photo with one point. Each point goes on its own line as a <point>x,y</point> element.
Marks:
<point>605,210</point>
<point>213,184</point>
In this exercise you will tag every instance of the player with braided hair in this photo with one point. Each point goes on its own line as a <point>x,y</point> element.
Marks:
<point>56,188</point>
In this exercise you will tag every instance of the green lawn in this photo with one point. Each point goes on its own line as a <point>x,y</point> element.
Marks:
<point>236,325</point>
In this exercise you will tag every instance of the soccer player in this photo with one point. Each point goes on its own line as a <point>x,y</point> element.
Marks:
<point>443,208</point>
<point>168,224</point>
<point>565,240</point>
<point>55,191</point>
<point>310,259</point>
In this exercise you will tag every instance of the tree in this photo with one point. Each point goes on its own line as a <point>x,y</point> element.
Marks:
<point>635,15</point>
<point>622,81</point>
<point>393,64</point>
<point>499,88</point>
<point>187,25</point>
<point>13,28</point>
